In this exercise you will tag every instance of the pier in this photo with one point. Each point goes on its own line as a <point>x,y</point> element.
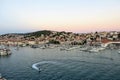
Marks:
<point>113,42</point>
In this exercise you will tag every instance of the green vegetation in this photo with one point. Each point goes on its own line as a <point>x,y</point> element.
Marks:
<point>39,33</point>
<point>54,42</point>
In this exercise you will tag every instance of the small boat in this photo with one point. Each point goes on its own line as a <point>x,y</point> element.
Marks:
<point>4,52</point>
<point>34,46</point>
<point>72,48</point>
<point>85,49</point>
<point>22,45</point>
<point>1,78</point>
<point>69,48</point>
<point>61,49</point>
<point>94,50</point>
<point>43,47</point>
<point>119,51</point>
<point>101,48</point>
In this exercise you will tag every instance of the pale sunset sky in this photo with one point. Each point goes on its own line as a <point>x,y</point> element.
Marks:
<point>59,15</point>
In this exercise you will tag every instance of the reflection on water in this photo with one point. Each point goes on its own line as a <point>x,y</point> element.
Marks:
<point>76,65</point>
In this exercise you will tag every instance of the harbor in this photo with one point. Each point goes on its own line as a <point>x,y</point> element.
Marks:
<point>59,39</point>
<point>56,64</point>
<point>57,54</point>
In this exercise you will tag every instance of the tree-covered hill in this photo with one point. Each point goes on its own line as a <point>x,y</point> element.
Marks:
<point>39,33</point>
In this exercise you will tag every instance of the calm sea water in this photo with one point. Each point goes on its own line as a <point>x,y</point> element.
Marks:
<point>75,65</point>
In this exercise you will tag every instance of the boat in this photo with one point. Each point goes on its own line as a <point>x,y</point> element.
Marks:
<point>101,48</point>
<point>61,49</point>
<point>36,65</point>
<point>119,51</point>
<point>22,45</point>
<point>85,49</point>
<point>94,50</point>
<point>34,46</point>
<point>5,52</point>
<point>72,48</point>
<point>69,48</point>
<point>1,78</point>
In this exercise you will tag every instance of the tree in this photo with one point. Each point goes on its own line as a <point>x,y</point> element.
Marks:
<point>54,42</point>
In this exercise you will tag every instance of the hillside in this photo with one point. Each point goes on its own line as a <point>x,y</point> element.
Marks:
<point>39,33</point>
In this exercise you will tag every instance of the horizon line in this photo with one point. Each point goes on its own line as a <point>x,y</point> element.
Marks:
<point>57,31</point>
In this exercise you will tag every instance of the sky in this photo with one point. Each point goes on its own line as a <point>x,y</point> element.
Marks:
<point>17,16</point>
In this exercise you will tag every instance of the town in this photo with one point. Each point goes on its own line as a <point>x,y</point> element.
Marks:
<point>90,42</point>
<point>46,36</point>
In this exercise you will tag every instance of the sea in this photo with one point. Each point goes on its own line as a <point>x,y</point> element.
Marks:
<point>60,65</point>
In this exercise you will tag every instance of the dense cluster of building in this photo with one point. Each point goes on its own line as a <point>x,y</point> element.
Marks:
<point>61,37</point>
